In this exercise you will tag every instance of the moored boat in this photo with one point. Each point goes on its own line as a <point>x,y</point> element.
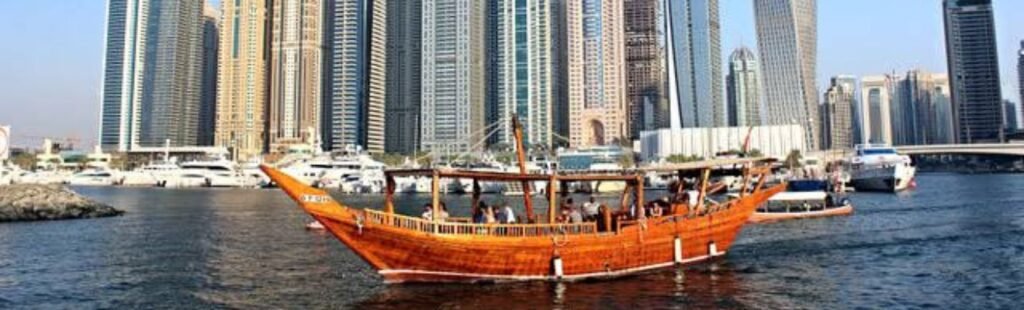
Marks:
<point>879,168</point>
<point>801,205</point>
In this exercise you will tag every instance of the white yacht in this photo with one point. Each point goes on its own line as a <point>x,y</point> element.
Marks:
<point>354,173</point>
<point>93,177</point>
<point>880,168</point>
<point>155,174</point>
<point>217,170</point>
<point>601,159</point>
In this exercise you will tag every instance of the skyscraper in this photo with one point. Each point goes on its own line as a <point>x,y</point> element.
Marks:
<point>242,81</point>
<point>208,103</point>
<point>152,74</point>
<point>402,128</point>
<point>973,70</point>
<point>1011,116</point>
<point>527,69</point>
<point>355,67</point>
<point>296,72</point>
<point>597,99</point>
<point>645,70</point>
<point>696,63</point>
<point>454,75</point>
<point>875,108</point>
<point>837,116</point>
<point>917,122</point>
<point>787,39</point>
<point>124,57</point>
<point>1020,71</point>
<point>743,89</point>
<point>943,108</point>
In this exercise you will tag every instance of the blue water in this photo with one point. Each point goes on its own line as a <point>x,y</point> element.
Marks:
<point>956,242</point>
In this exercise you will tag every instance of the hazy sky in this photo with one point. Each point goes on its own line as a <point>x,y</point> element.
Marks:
<point>51,57</point>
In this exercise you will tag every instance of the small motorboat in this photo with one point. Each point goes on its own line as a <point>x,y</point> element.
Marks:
<point>801,205</point>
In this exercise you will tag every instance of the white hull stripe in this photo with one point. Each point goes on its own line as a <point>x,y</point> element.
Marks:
<point>542,277</point>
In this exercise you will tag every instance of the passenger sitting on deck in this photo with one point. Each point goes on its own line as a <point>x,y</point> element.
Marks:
<point>575,216</point>
<point>504,214</point>
<point>444,212</point>
<point>489,215</point>
<point>428,212</point>
<point>590,210</point>
<point>478,213</point>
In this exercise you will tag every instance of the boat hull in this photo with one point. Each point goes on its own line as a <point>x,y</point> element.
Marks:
<point>887,179</point>
<point>767,217</point>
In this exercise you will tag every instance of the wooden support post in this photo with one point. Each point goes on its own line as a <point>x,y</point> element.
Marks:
<point>624,201</point>
<point>639,201</point>
<point>552,198</point>
<point>706,175</point>
<point>435,191</point>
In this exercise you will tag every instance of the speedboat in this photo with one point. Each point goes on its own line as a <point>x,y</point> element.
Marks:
<point>879,168</point>
<point>93,177</point>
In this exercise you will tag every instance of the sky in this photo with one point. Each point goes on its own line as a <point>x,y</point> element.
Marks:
<point>51,56</point>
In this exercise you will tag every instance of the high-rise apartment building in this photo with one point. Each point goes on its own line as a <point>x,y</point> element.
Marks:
<point>242,80</point>
<point>875,108</point>
<point>296,72</point>
<point>596,73</point>
<point>527,69</point>
<point>694,34</point>
<point>453,75</point>
<point>402,106</point>
<point>973,70</point>
<point>916,121</point>
<point>1020,71</point>
<point>1010,122</point>
<point>837,116</point>
<point>645,69</point>
<point>152,74</point>
<point>787,40</point>
<point>355,67</point>
<point>208,102</point>
<point>942,106</point>
<point>743,89</point>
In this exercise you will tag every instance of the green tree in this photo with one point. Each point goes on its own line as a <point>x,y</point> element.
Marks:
<point>680,158</point>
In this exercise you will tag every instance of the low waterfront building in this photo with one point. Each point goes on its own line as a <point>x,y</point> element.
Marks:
<point>774,141</point>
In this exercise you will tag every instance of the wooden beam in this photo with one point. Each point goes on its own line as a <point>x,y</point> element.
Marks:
<point>703,189</point>
<point>435,189</point>
<point>639,201</point>
<point>552,198</point>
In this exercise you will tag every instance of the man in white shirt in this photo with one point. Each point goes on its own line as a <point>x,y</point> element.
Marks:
<point>590,209</point>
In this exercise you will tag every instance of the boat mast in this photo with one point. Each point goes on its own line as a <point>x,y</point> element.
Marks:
<point>521,156</point>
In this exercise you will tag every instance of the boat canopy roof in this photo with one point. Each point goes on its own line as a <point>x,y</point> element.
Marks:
<point>707,164</point>
<point>507,176</point>
<point>799,196</point>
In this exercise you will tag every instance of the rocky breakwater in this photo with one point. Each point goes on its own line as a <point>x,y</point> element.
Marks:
<point>25,202</point>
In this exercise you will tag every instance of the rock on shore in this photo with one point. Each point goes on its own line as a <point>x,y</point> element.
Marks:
<point>24,202</point>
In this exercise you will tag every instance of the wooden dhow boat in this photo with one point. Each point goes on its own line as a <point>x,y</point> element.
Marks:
<point>621,241</point>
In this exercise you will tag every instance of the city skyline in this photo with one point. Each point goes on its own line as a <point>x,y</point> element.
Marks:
<point>27,101</point>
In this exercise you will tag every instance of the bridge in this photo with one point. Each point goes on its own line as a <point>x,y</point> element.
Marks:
<point>1008,149</point>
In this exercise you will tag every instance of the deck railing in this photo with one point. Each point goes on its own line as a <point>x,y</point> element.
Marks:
<point>374,217</point>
